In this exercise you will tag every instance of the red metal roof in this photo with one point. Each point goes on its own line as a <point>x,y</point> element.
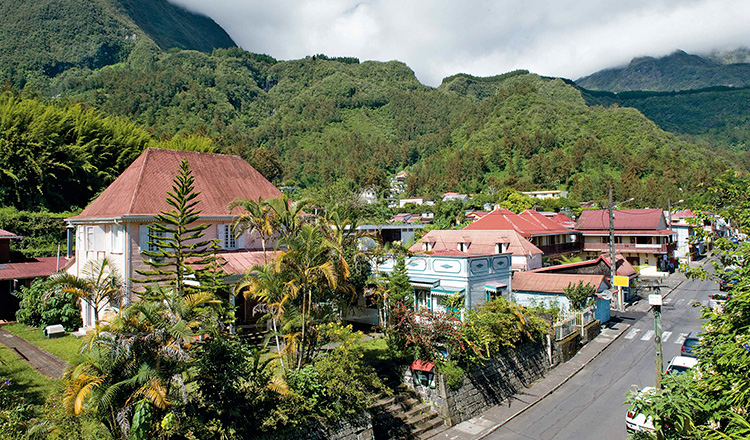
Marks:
<point>543,222</point>
<point>528,225</point>
<point>422,365</point>
<point>481,242</point>
<point>564,220</point>
<point>8,235</point>
<point>624,268</point>
<point>685,213</point>
<point>37,267</point>
<point>625,220</point>
<point>142,188</point>
<point>239,262</point>
<point>629,232</point>
<point>552,282</point>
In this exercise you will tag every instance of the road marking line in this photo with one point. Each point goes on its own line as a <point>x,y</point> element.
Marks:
<point>668,300</point>
<point>632,333</point>
<point>665,336</point>
<point>681,338</point>
<point>649,334</point>
<point>679,301</point>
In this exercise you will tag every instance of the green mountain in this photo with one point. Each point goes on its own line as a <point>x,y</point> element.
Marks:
<point>44,38</point>
<point>678,71</point>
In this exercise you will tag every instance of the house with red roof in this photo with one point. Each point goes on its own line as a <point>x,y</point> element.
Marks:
<point>564,220</point>
<point>117,223</point>
<point>548,289</point>
<point>525,256</point>
<point>21,272</point>
<point>548,236</point>
<point>641,235</point>
<point>688,245</point>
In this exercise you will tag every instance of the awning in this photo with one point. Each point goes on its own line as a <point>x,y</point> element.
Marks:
<point>422,366</point>
<point>439,291</point>
<point>494,287</point>
<point>424,283</point>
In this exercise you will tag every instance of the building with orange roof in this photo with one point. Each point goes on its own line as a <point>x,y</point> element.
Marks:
<point>116,224</point>
<point>548,236</point>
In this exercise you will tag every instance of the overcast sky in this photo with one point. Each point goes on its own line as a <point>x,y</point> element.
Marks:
<point>438,38</point>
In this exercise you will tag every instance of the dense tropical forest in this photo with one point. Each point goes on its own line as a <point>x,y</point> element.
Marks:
<point>318,121</point>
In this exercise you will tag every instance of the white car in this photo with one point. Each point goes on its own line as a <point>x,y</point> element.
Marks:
<point>639,422</point>
<point>681,364</point>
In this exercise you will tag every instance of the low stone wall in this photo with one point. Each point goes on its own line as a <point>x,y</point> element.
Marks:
<point>564,349</point>
<point>498,379</point>
<point>357,428</point>
<point>591,331</point>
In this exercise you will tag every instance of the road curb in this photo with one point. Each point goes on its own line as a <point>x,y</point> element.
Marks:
<point>570,376</point>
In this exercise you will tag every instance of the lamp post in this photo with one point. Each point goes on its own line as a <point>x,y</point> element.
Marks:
<point>612,262</point>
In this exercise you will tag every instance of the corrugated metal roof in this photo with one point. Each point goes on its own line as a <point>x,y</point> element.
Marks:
<point>37,267</point>
<point>480,242</point>
<point>142,188</point>
<point>552,282</point>
<point>625,219</point>
<point>8,235</point>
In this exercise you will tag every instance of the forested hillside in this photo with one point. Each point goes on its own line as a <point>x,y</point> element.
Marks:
<point>319,120</point>
<point>678,71</point>
<point>45,38</point>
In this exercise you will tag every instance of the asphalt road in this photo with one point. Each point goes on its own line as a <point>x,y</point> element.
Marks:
<point>590,405</point>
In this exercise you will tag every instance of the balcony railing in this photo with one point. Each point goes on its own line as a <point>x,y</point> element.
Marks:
<point>560,248</point>
<point>664,248</point>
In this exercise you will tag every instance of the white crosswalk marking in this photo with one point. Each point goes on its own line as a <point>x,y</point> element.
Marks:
<point>681,338</point>
<point>668,300</point>
<point>665,336</point>
<point>632,333</point>
<point>679,302</point>
<point>649,334</point>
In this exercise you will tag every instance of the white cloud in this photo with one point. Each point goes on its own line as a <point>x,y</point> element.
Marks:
<point>440,38</point>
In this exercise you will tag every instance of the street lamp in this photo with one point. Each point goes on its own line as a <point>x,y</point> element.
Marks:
<point>612,261</point>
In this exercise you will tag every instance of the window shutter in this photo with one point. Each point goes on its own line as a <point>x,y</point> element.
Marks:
<point>221,232</point>
<point>241,241</point>
<point>143,238</point>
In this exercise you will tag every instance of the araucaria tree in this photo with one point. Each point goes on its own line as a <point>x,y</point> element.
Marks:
<point>181,252</point>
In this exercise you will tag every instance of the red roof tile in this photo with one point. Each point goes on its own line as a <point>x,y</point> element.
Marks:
<point>543,222</point>
<point>552,282</point>
<point>625,219</point>
<point>37,267</point>
<point>624,268</point>
<point>141,189</point>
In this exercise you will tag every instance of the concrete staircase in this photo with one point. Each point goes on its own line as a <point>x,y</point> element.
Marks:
<point>404,416</point>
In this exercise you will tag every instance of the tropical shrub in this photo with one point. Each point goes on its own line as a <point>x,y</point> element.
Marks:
<point>40,308</point>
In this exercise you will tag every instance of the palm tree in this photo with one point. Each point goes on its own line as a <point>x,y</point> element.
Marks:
<point>257,218</point>
<point>100,285</point>
<point>266,285</point>
<point>307,261</point>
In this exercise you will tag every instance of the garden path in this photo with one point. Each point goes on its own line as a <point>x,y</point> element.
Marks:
<point>44,362</point>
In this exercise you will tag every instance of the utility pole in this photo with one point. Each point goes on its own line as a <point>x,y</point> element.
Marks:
<point>612,261</point>
<point>655,301</point>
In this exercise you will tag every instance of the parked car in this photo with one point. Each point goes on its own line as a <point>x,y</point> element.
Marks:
<point>717,300</point>
<point>728,278</point>
<point>635,421</point>
<point>680,364</point>
<point>691,342</point>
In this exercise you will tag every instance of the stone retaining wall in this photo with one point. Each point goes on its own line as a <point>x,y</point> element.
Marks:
<point>357,428</point>
<point>498,379</point>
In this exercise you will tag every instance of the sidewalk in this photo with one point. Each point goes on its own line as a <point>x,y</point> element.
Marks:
<point>495,417</point>
<point>44,362</point>
<point>498,415</point>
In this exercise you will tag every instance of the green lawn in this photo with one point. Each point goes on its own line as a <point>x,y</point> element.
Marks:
<point>64,347</point>
<point>24,378</point>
